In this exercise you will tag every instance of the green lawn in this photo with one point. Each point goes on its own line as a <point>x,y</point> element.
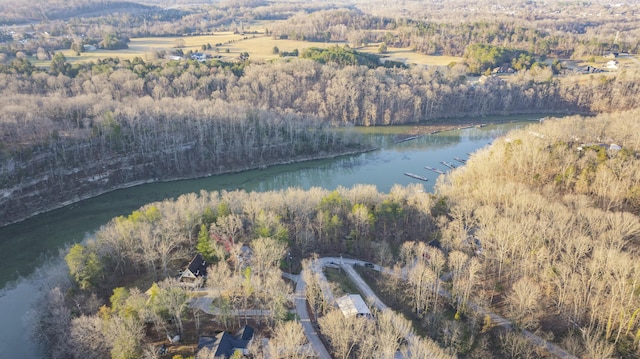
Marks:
<point>408,56</point>
<point>146,47</point>
<point>394,301</point>
<point>342,281</point>
<point>230,46</point>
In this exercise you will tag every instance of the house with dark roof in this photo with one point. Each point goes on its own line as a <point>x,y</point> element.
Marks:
<point>246,333</point>
<point>224,344</point>
<point>197,268</point>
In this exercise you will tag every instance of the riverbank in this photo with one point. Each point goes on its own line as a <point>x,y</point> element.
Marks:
<point>99,192</point>
<point>448,124</point>
<point>45,235</point>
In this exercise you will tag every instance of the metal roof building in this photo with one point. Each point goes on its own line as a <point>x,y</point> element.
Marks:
<point>352,305</point>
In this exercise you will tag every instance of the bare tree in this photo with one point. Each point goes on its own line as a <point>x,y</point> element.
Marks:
<point>287,341</point>
<point>266,255</point>
<point>392,330</point>
<point>87,337</point>
<point>344,334</point>
<point>524,302</point>
<point>424,348</point>
<point>516,346</point>
<point>173,298</point>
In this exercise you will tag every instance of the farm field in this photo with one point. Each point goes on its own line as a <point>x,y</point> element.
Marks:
<point>408,56</point>
<point>231,45</point>
<point>146,47</point>
<point>261,48</point>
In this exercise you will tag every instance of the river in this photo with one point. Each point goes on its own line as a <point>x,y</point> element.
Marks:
<point>25,246</point>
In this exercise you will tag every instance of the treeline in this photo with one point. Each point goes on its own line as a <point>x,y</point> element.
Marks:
<point>341,94</point>
<point>342,56</point>
<point>480,58</point>
<point>550,214</point>
<point>18,13</point>
<point>440,36</point>
<point>71,148</point>
<point>541,227</point>
<point>57,125</point>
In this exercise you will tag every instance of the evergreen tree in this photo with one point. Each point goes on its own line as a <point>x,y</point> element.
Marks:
<point>205,245</point>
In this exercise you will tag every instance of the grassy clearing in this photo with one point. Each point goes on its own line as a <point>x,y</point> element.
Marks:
<point>231,45</point>
<point>146,47</point>
<point>262,48</point>
<point>342,281</point>
<point>259,46</point>
<point>409,56</point>
<point>371,277</point>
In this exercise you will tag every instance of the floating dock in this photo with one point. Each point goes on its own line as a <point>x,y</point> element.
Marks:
<point>448,164</point>
<point>407,139</point>
<point>434,170</point>
<point>460,160</point>
<point>413,175</point>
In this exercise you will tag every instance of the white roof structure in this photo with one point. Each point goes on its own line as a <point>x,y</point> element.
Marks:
<point>352,305</point>
<point>613,64</point>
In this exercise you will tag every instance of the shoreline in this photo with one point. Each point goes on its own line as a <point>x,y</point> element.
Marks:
<point>173,179</point>
<point>457,123</point>
<point>418,129</point>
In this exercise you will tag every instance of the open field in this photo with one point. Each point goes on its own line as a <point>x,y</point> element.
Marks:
<point>408,56</point>
<point>259,47</point>
<point>145,47</point>
<point>231,45</point>
<point>262,48</point>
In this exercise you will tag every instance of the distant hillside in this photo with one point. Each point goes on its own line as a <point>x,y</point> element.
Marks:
<point>12,12</point>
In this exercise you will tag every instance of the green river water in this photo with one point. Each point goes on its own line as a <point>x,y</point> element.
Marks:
<point>26,245</point>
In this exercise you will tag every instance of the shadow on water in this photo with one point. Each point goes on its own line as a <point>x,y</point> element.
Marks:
<point>24,246</point>
<point>23,243</point>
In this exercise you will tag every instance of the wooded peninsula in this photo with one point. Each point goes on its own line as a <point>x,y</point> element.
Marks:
<point>538,230</point>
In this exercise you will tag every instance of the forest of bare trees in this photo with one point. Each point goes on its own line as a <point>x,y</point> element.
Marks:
<point>78,130</point>
<point>541,227</point>
<point>549,215</point>
<point>565,30</point>
<point>152,241</point>
<point>545,34</point>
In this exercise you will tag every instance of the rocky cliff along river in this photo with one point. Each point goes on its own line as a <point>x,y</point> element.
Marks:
<point>25,246</point>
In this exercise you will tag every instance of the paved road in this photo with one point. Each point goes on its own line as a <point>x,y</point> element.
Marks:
<point>363,286</point>
<point>307,325</point>
<point>347,265</point>
<point>300,300</point>
<point>369,293</point>
<point>204,304</point>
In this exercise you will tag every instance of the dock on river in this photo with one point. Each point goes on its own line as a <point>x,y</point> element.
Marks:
<point>413,175</point>
<point>434,170</point>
